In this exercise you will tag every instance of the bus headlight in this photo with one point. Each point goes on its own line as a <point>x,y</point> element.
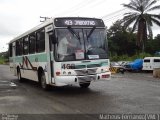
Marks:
<point>107,69</point>
<point>104,70</point>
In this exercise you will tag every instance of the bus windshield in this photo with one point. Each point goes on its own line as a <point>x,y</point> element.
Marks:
<point>81,44</point>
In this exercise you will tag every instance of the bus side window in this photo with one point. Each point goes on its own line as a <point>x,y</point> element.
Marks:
<point>18,48</point>
<point>10,50</point>
<point>25,45</point>
<point>21,47</point>
<point>32,41</point>
<point>40,43</point>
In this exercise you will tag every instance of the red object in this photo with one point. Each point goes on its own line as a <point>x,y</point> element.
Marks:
<point>58,73</point>
<point>106,76</point>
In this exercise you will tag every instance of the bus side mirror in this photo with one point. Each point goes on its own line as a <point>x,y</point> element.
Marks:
<point>53,38</point>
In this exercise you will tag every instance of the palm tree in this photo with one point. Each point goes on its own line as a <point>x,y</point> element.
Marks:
<point>141,19</point>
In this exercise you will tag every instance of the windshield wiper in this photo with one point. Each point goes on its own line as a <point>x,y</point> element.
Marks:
<point>74,33</point>
<point>90,33</point>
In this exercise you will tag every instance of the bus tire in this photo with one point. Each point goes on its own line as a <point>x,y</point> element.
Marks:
<point>84,85</point>
<point>43,81</point>
<point>20,79</point>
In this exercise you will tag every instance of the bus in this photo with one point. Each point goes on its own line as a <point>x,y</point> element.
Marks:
<point>37,53</point>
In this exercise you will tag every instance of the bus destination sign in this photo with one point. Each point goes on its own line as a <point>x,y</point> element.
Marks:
<point>80,22</point>
<point>64,22</point>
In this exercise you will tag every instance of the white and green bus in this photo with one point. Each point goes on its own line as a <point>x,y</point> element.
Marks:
<point>37,54</point>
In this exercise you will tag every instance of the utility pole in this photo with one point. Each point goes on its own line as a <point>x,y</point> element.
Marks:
<point>44,18</point>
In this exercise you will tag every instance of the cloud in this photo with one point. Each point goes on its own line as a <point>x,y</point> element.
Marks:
<point>18,16</point>
<point>9,25</point>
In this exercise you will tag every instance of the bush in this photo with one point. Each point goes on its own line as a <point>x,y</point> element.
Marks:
<point>127,58</point>
<point>3,60</point>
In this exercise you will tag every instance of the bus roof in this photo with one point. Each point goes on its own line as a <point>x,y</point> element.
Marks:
<point>65,22</point>
<point>47,22</point>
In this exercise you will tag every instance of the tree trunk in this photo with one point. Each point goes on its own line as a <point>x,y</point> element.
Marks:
<point>141,35</point>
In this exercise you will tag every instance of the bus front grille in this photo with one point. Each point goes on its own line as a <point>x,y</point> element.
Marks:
<point>83,79</point>
<point>86,71</point>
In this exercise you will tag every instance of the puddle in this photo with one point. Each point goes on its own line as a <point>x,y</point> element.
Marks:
<point>13,84</point>
<point>7,85</point>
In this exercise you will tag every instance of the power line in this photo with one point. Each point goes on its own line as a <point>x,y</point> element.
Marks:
<point>113,16</point>
<point>89,5</point>
<point>70,9</point>
<point>113,13</point>
<point>111,19</point>
<point>82,7</point>
<point>77,6</point>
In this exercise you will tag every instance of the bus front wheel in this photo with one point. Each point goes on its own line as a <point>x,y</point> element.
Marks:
<point>84,85</point>
<point>43,81</point>
<point>20,79</point>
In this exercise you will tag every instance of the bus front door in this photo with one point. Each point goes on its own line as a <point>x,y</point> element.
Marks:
<point>49,52</point>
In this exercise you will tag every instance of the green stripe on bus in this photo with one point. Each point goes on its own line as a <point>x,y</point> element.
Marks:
<point>102,63</point>
<point>42,57</point>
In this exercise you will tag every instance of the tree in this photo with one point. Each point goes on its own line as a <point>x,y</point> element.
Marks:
<point>120,41</point>
<point>141,19</point>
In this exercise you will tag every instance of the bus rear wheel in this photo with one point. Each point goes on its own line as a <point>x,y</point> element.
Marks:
<point>84,85</point>
<point>43,81</point>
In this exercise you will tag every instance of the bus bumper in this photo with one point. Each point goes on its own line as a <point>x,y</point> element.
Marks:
<point>71,80</point>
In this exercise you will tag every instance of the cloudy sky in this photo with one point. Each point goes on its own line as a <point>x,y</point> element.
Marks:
<point>18,16</point>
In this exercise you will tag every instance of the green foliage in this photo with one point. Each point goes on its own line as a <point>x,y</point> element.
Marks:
<point>153,45</point>
<point>2,60</point>
<point>141,55</point>
<point>4,57</point>
<point>122,44</point>
<point>120,41</point>
<point>141,19</point>
<point>132,58</point>
<point>120,58</point>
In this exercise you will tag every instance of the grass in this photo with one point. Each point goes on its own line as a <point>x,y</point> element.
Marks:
<point>127,58</point>
<point>2,60</point>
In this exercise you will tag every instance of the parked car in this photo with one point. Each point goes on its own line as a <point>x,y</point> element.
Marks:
<point>123,63</point>
<point>118,67</point>
<point>136,65</point>
<point>157,53</point>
